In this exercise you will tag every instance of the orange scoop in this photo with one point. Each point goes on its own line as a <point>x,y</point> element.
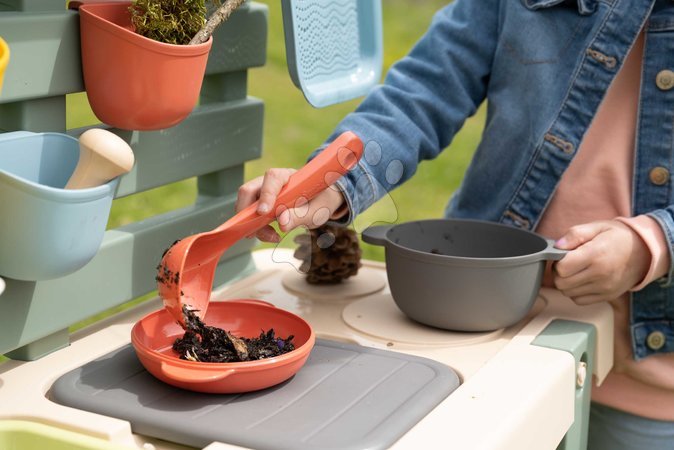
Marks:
<point>187,268</point>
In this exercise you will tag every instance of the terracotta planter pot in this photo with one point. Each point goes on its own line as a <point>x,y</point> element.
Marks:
<point>133,82</point>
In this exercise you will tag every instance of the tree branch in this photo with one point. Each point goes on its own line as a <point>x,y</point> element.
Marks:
<point>219,16</point>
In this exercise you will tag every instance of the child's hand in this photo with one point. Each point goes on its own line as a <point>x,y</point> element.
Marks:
<point>312,214</point>
<point>607,259</point>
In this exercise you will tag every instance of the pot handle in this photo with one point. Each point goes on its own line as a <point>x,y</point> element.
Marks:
<point>376,235</point>
<point>189,375</point>
<point>551,253</point>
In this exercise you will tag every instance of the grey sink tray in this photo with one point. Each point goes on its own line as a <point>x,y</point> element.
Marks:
<point>345,397</point>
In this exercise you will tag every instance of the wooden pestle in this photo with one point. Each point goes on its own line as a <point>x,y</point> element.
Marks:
<point>103,156</point>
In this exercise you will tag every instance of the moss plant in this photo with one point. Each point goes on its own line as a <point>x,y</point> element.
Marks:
<point>169,21</point>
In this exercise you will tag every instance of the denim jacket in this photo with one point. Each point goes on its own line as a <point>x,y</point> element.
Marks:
<point>543,66</point>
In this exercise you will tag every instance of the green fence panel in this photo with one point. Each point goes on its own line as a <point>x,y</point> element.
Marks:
<point>212,144</point>
<point>45,49</point>
<point>215,136</point>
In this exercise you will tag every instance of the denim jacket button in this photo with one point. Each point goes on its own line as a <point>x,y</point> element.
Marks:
<point>659,176</point>
<point>656,340</point>
<point>665,80</point>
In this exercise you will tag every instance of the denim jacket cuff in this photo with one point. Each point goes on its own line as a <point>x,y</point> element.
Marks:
<point>666,221</point>
<point>347,218</point>
<point>358,188</point>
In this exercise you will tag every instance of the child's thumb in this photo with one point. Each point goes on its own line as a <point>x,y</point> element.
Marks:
<point>579,235</point>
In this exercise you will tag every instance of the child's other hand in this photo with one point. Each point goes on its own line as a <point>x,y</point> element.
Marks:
<point>312,214</point>
<point>606,259</point>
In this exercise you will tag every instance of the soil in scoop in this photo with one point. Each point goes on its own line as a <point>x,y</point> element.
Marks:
<point>204,343</point>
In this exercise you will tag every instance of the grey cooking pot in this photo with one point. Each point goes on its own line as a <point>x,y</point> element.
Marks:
<point>463,275</point>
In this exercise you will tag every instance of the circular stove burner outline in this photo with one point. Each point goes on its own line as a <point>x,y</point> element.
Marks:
<point>369,281</point>
<point>384,321</point>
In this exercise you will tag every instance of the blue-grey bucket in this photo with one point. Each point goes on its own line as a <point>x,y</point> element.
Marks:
<point>46,231</point>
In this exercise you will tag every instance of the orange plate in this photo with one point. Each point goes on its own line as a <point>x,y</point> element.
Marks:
<point>153,336</point>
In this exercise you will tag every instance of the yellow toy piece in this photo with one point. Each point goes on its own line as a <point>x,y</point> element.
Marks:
<point>4,60</point>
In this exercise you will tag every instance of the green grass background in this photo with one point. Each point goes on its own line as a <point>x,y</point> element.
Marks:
<point>292,129</point>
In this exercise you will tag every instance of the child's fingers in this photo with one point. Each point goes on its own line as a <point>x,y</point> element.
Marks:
<point>579,290</point>
<point>272,183</point>
<point>590,299</point>
<point>580,234</point>
<point>585,292</point>
<point>267,234</point>
<point>574,262</point>
<point>312,214</point>
<point>589,286</point>
<point>248,193</point>
<point>314,217</point>
<point>569,285</point>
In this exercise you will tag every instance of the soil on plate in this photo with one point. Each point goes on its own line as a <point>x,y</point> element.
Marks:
<point>204,343</point>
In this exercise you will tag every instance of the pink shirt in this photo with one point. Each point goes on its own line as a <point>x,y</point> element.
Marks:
<point>598,186</point>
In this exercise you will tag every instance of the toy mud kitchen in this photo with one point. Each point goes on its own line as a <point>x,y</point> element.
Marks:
<point>449,344</point>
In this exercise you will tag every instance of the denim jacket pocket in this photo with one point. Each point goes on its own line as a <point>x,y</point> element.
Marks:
<point>585,7</point>
<point>535,33</point>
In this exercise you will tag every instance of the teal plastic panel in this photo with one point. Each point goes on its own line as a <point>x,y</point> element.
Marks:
<point>579,339</point>
<point>241,42</point>
<point>42,347</point>
<point>38,115</point>
<point>219,183</point>
<point>45,55</point>
<point>31,5</point>
<point>221,87</point>
<point>45,50</point>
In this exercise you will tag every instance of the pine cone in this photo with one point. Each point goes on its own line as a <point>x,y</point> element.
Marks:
<point>329,254</point>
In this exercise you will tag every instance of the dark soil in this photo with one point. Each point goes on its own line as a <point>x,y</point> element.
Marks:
<point>211,344</point>
<point>164,275</point>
